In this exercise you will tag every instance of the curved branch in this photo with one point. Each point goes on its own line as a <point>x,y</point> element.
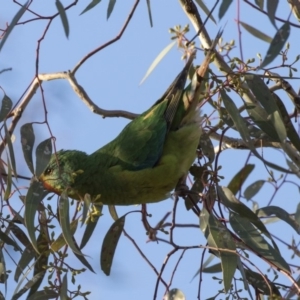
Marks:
<point>109,42</point>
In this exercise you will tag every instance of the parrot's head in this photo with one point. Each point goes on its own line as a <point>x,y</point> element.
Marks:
<point>63,172</point>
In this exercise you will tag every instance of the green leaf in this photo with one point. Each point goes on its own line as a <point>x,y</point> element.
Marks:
<point>5,107</point>
<point>110,243</point>
<point>27,141</point>
<point>297,214</point>
<point>229,200</point>
<point>292,134</point>
<point>255,241</point>
<point>85,209</point>
<point>259,283</point>
<point>12,24</point>
<point>157,60</point>
<point>206,10</point>
<point>113,212</point>
<point>35,195</point>
<point>110,7</point>
<point>265,97</point>
<point>271,9</point>
<point>243,130</point>
<point>149,12</point>
<point>281,214</point>
<point>207,148</point>
<point>295,7</point>
<point>64,288</point>
<point>84,261</point>
<point>253,189</point>
<point>224,240</point>
<point>257,33</point>
<point>200,179</point>
<point>63,17</point>
<point>40,262</point>
<point>217,268</point>
<point>10,149</point>
<point>245,282</point>
<point>260,4</point>
<point>43,295</point>
<point>27,286</point>
<point>8,181</point>
<point>60,241</point>
<point>90,227</point>
<point>277,44</point>
<point>7,240</point>
<point>4,275</point>
<point>27,256</point>
<point>64,221</point>
<point>239,178</point>
<point>19,234</point>
<point>43,155</point>
<point>91,5</point>
<point>224,7</point>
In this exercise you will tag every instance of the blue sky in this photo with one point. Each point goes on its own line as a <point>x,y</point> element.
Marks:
<point>111,78</point>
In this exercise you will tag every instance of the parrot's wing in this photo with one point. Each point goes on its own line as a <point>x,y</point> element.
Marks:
<point>140,144</point>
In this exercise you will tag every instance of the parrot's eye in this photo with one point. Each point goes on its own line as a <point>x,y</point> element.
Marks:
<point>48,171</point>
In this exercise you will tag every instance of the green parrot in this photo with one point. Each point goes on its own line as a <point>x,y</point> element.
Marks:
<point>145,161</point>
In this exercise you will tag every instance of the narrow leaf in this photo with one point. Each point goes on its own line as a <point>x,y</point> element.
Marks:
<point>243,130</point>
<point>8,180</point>
<point>60,241</point>
<point>224,240</point>
<point>90,6</point>
<point>27,141</point>
<point>63,17</point>
<point>64,288</point>
<point>253,189</point>
<point>207,148</point>
<point>271,9</point>
<point>277,43</point>
<point>12,24</point>
<point>82,259</point>
<point>27,256</point>
<point>157,60</point>
<point>113,212</point>
<point>33,198</point>
<point>259,284</point>
<point>64,220</point>
<point>297,214</point>
<point>110,243</point>
<point>43,155</point>
<point>206,10</point>
<point>7,240</point>
<point>265,97</point>
<point>3,269</point>
<point>260,4</point>
<point>242,210</point>
<point>255,241</point>
<point>149,12</point>
<point>281,214</point>
<point>257,33</point>
<point>110,7</point>
<point>5,107</point>
<point>44,295</point>
<point>10,149</point>
<point>27,286</point>
<point>239,178</point>
<point>217,268</point>
<point>90,227</point>
<point>224,7</point>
